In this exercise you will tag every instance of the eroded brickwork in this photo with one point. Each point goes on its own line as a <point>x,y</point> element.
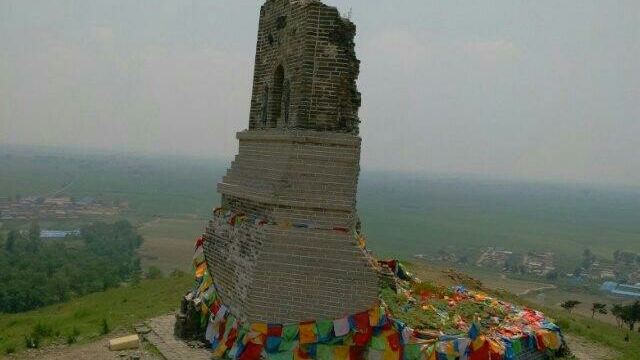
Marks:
<point>305,62</point>
<point>298,163</point>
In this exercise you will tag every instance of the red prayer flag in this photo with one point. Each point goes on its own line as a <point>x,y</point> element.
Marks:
<point>251,352</point>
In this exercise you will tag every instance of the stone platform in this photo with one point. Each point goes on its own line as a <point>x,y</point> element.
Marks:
<point>162,338</point>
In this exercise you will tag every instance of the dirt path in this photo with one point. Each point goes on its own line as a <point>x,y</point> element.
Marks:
<point>174,350</point>
<point>542,288</point>
<point>96,350</point>
<point>583,349</point>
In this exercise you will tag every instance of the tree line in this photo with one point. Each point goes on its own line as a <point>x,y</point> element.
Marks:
<point>36,273</point>
<point>628,315</point>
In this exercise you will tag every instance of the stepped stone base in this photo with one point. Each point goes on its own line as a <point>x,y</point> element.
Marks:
<point>305,263</point>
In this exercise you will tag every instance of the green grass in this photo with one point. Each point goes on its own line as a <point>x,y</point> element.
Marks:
<point>598,332</point>
<point>83,318</point>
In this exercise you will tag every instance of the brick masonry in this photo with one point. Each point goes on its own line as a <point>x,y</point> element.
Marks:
<point>298,162</point>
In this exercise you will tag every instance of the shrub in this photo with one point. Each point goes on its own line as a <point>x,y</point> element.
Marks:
<point>32,341</point>
<point>10,349</point>
<point>154,273</point>
<point>42,330</point>
<point>564,324</point>
<point>105,329</point>
<point>177,273</point>
<point>73,337</point>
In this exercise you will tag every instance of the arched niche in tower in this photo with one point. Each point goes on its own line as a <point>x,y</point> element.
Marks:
<point>275,107</point>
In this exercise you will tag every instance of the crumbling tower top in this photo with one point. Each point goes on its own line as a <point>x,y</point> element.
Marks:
<point>305,69</point>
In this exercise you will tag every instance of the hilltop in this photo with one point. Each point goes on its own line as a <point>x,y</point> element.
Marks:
<point>82,319</point>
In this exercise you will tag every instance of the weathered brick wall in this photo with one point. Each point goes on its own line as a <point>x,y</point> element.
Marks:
<point>296,168</point>
<point>298,163</point>
<point>276,274</point>
<point>313,47</point>
<point>232,254</point>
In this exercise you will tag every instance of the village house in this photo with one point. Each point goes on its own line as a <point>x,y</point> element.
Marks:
<point>601,271</point>
<point>539,264</point>
<point>494,257</point>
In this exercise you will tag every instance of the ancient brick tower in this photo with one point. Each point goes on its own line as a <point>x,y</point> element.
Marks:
<point>294,257</point>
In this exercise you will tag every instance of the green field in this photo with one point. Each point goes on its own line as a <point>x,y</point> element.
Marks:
<point>169,243</point>
<point>83,317</point>
<point>403,215</point>
<point>152,186</point>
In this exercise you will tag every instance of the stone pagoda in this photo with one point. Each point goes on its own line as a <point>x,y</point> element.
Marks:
<point>284,246</point>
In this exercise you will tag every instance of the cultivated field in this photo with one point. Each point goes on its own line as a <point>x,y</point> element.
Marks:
<point>168,243</point>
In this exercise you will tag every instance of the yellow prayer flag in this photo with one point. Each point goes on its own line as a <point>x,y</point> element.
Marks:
<point>260,328</point>
<point>341,352</point>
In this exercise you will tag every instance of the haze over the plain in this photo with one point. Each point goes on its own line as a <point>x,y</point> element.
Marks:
<point>536,90</point>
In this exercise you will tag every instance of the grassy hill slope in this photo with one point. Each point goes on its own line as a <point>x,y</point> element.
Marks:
<point>83,318</point>
<point>598,333</point>
<point>126,306</point>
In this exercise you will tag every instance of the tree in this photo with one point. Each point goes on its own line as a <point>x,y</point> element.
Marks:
<point>630,315</point>
<point>57,271</point>
<point>617,311</point>
<point>569,305</point>
<point>10,244</point>
<point>34,237</point>
<point>553,275</point>
<point>598,308</point>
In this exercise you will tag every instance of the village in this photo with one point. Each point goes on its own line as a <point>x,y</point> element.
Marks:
<point>617,277</point>
<point>55,208</point>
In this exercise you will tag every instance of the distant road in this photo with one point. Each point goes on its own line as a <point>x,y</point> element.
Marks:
<point>62,189</point>
<point>542,288</point>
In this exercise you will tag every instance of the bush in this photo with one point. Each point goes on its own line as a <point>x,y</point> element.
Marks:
<point>73,337</point>
<point>32,341</point>
<point>42,330</point>
<point>105,327</point>
<point>10,349</point>
<point>177,273</point>
<point>564,324</point>
<point>154,273</point>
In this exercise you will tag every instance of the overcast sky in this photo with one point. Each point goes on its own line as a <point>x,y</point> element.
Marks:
<point>524,89</point>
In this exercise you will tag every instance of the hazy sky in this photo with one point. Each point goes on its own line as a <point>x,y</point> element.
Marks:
<point>527,89</point>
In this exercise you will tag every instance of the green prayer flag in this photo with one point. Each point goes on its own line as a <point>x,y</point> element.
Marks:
<point>290,332</point>
<point>517,346</point>
<point>412,352</point>
<point>287,345</point>
<point>379,343</point>
<point>229,324</point>
<point>324,329</point>
<point>324,352</point>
